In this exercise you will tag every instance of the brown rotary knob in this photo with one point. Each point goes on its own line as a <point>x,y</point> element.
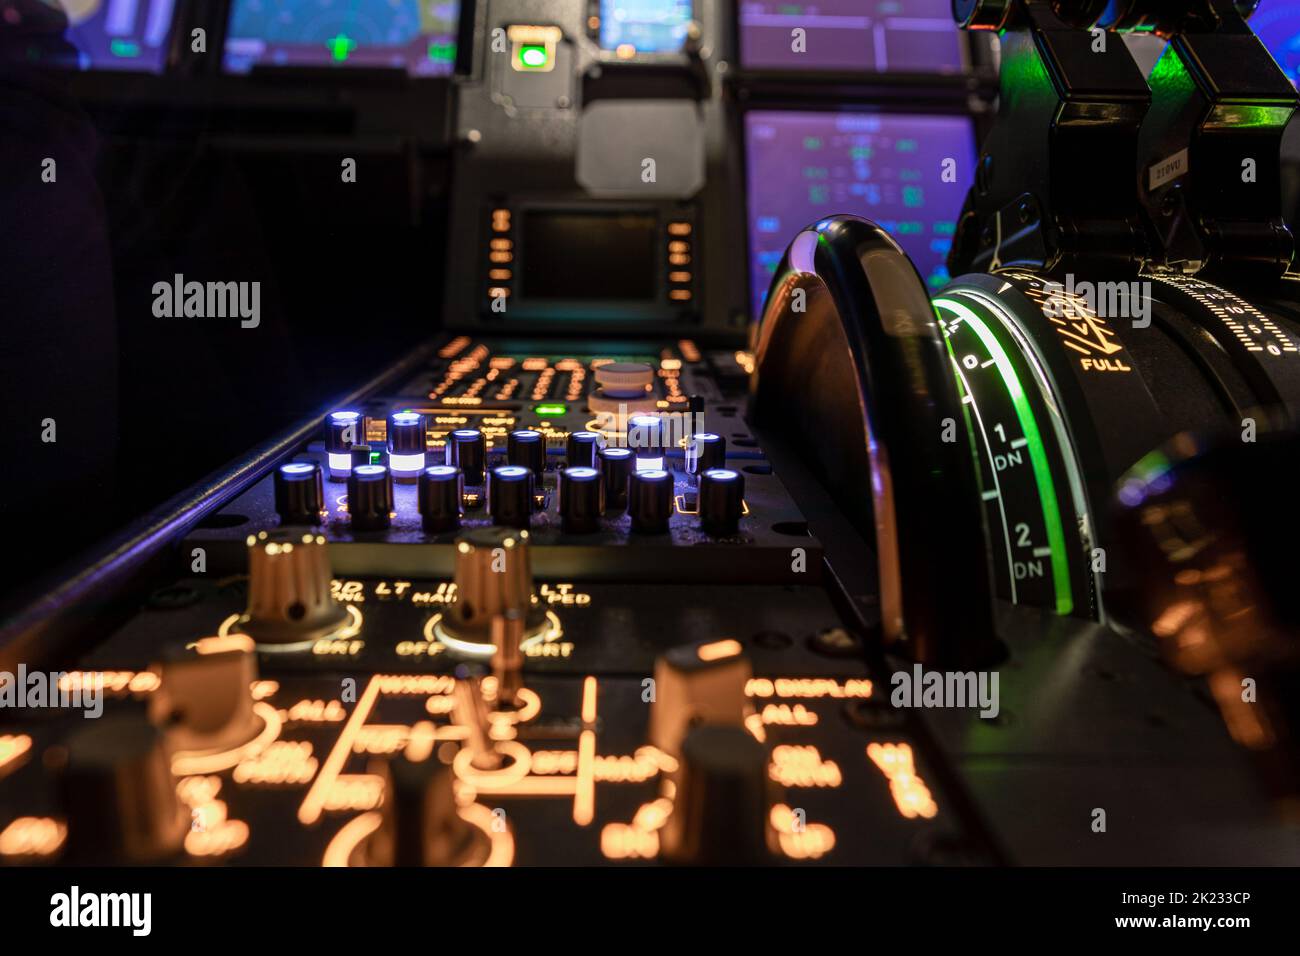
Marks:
<point>493,579</point>
<point>119,794</point>
<point>289,600</point>
<point>698,684</point>
<point>204,698</point>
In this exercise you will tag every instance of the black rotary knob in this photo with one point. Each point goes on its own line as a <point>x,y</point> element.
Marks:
<point>370,497</point>
<point>299,493</point>
<point>440,493</point>
<point>580,449</point>
<point>615,465</point>
<point>467,450</point>
<point>705,450</point>
<point>721,806</point>
<point>421,825</point>
<point>650,500</point>
<point>406,446</point>
<point>647,437</point>
<point>510,496</point>
<point>722,494</point>
<point>580,500</point>
<point>119,794</point>
<point>343,429</point>
<point>527,449</point>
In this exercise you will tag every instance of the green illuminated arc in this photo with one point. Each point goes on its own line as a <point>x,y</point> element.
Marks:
<point>1037,451</point>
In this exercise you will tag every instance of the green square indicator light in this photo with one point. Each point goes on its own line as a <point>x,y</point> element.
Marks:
<point>533,56</point>
<point>551,410</point>
<point>376,458</point>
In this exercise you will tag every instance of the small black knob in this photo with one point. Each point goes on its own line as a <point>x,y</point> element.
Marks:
<point>440,493</point>
<point>510,496</point>
<point>705,450</point>
<point>650,500</point>
<point>580,449</point>
<point>421,825</point>
<point>370,497</point>
<point>527,449</point>
<point>722,495</point>
<point>299,493</point>
<point>721,806</point>
<point>343,429</point>
<point>406,445</point>
<point>580,500</point>
<point>467,450</point>
<point>615,466</point>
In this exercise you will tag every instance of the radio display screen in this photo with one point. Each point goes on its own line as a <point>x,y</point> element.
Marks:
<point>589,256</point>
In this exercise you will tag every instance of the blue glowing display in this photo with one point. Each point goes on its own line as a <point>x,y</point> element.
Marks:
<point>418,36</point>
<point>912,36</point>
<point>98,34</point>
<point>908,173</point>
<point>1278,26</point>
<point>648,26</point>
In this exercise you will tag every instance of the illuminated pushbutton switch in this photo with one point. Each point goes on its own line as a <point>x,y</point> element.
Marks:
<point>343,429</point>
<point>721,803</point>
<point>421,824</point>
<point>510,496</point>
<point>527,449</point>
<point>722,501</point>
<point>615,467</point>
<point>467,450</point>
<point>299,493</point>
<point>698,684</point>
<point>118,793</point>
<point>289,596</point>
<point>370,498</point>
<point>204,699</point>
<point>705,450</point>
<point>647,436</point>
<point>580,449</point>
<point>580,500</point>
<point>406,446</point>
<point>493,577</point>
<point>650,501</point>
<point>440,493</point>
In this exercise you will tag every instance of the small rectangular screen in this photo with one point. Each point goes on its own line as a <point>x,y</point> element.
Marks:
<point>647,26</point>
<point>909,173</point>
<point>418,36</point>
<point>1278,26</point>
<point>111,35</point>
<point>584,256</point>
<point>910,36</point>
